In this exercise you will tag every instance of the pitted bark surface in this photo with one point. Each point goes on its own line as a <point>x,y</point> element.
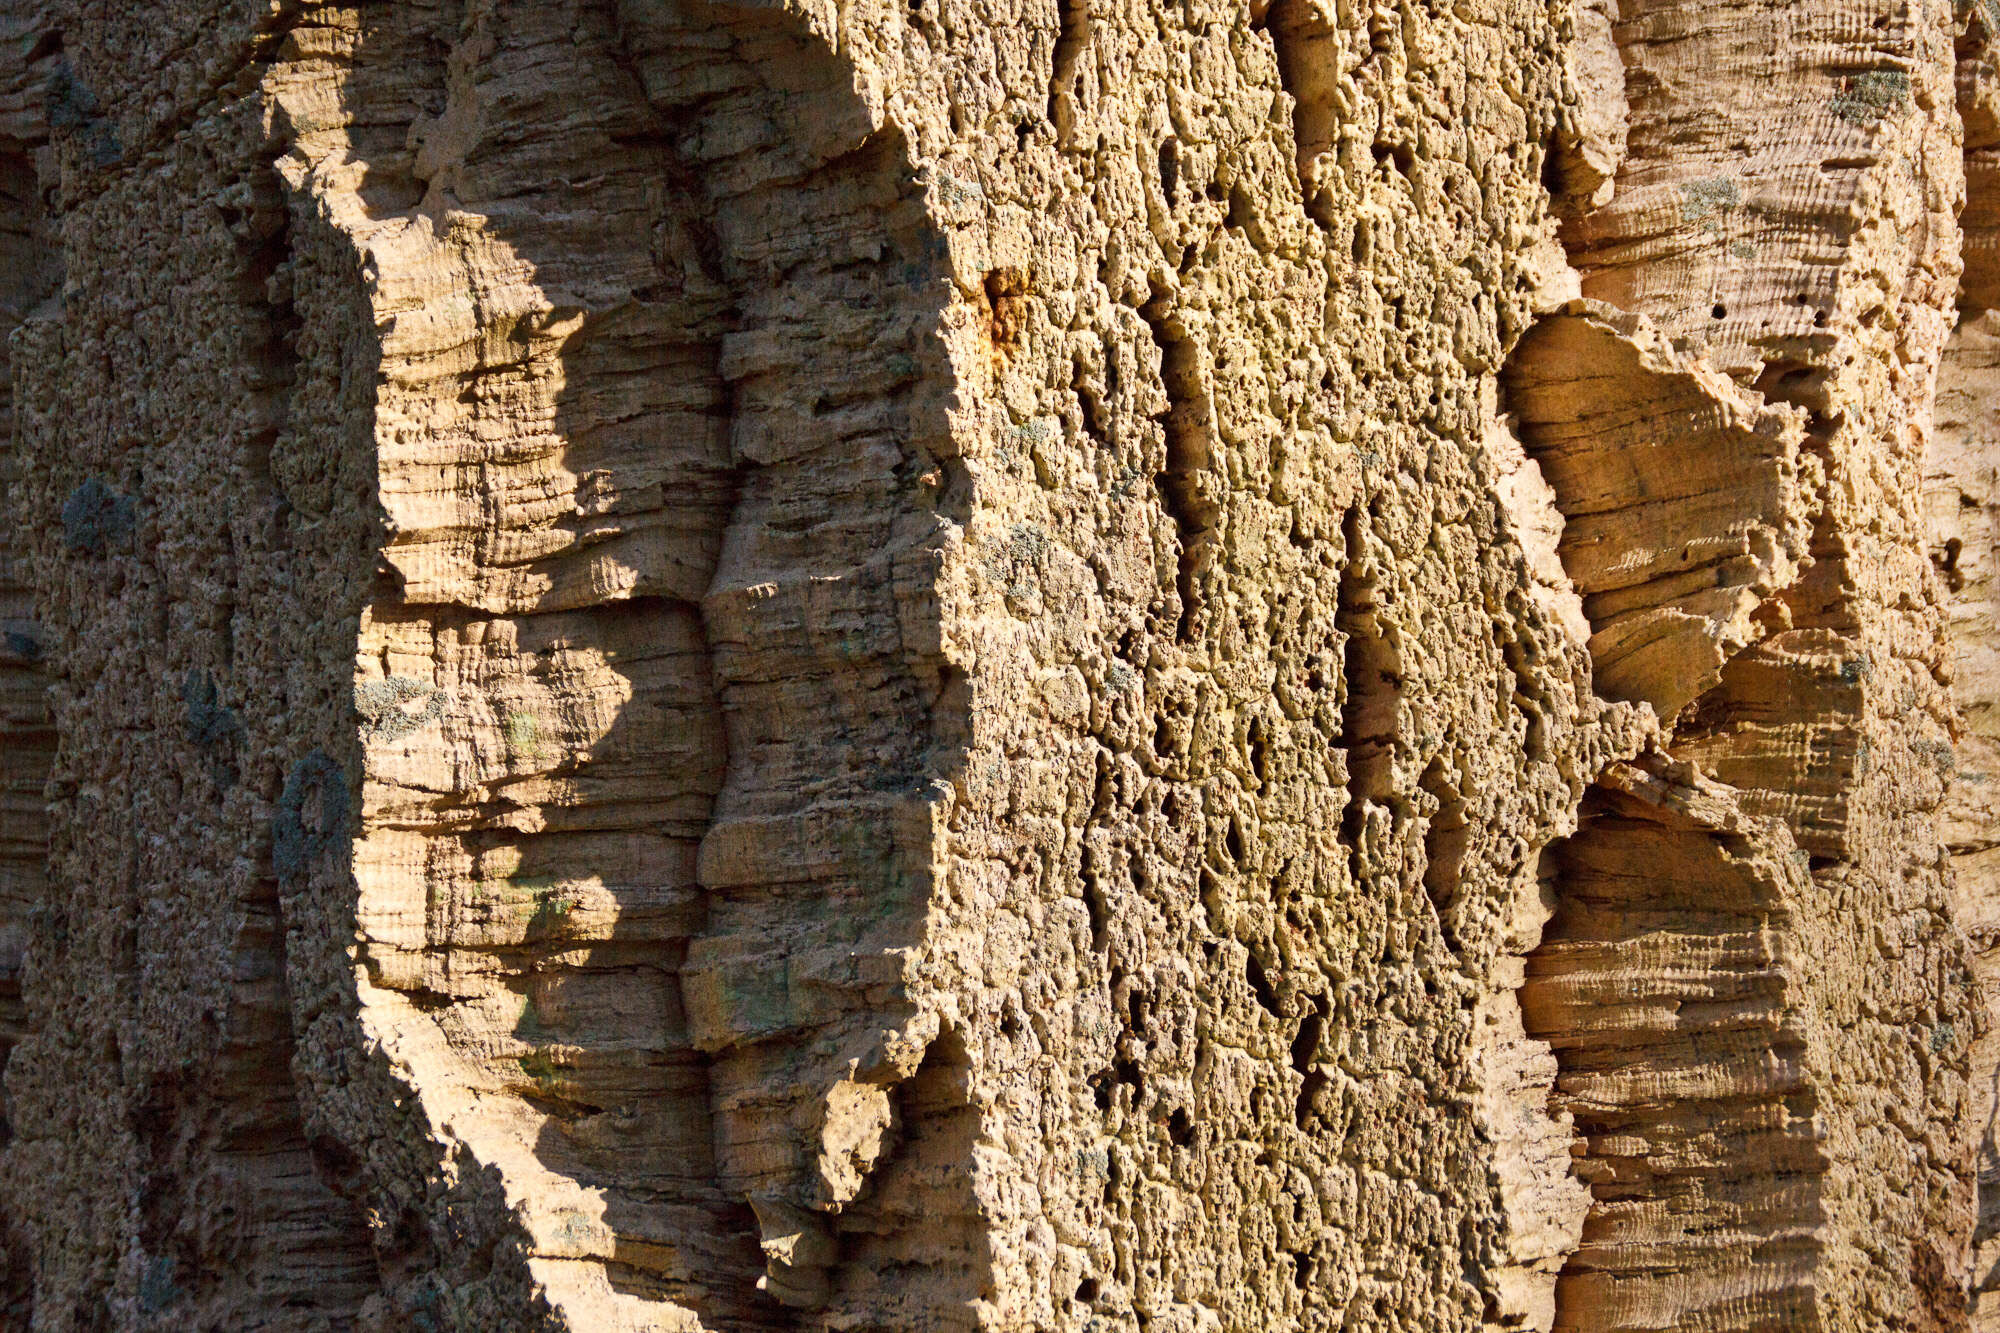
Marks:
<point>1075,664</point>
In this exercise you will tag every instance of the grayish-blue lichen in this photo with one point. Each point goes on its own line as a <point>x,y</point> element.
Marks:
<point>95,516</point>
<point>311,816</point>
<point>212,726</point>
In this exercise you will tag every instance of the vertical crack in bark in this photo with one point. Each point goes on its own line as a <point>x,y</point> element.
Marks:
<point>1072,38</point>
<point>166,1058</point>
<point>822,837</point>
<point>1305,43</point>
<point>1372,678</point>
<point>1189,425</point>
<point>1962,501</point>
<point>917,1213</point>
<point>1679,494</point>
<point>310,1248</point>
<point>1446,834</point>
<point>537,690</point>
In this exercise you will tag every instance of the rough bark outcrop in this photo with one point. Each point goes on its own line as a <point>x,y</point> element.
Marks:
<point>933,665</point>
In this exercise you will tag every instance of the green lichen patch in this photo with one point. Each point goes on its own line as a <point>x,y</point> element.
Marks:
<point>551,910</point>
<point>515,890</point>
<point>541,1070</point>
<point>524,734</point>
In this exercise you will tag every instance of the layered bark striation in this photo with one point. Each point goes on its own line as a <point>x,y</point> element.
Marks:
<point>1676,983</point>
<point>918,665</point>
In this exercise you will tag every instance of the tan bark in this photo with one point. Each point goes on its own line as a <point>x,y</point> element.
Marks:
<point>930,664</point>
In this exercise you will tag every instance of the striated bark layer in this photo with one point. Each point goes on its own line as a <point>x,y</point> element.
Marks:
<point>677,665</point>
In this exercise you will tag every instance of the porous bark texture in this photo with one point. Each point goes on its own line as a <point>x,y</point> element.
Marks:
<point>999,665</point>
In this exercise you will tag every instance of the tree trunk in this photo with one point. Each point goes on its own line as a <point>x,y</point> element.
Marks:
<point>933,665</point>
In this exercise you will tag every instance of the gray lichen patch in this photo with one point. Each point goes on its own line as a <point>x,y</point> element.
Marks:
<point>311,818</point>
<point>1872,95</point>
<point>385,715</point>
<point>214,728</point>
<point>95,517</point>
<point>1704,201</point>
<point>71,106</point>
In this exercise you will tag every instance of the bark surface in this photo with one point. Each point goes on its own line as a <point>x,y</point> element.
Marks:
<point>999,665</point>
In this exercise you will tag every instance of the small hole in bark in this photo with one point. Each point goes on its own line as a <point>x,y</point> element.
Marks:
<point>1954,578</point>
<point>1007,306</point>
<point>1372,668</point>
<point>1719,311</point>
<point>1188,452</point>
<point>1305,1042</point>
<point>1214,904</point>
<point>1309,1089</point>
<point>1073,31</point>
<point>1552,175</point>
<point>1380,32</point>
<point>1260,983</point>
<point>1241,213</point>
<point>1100,915</point>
